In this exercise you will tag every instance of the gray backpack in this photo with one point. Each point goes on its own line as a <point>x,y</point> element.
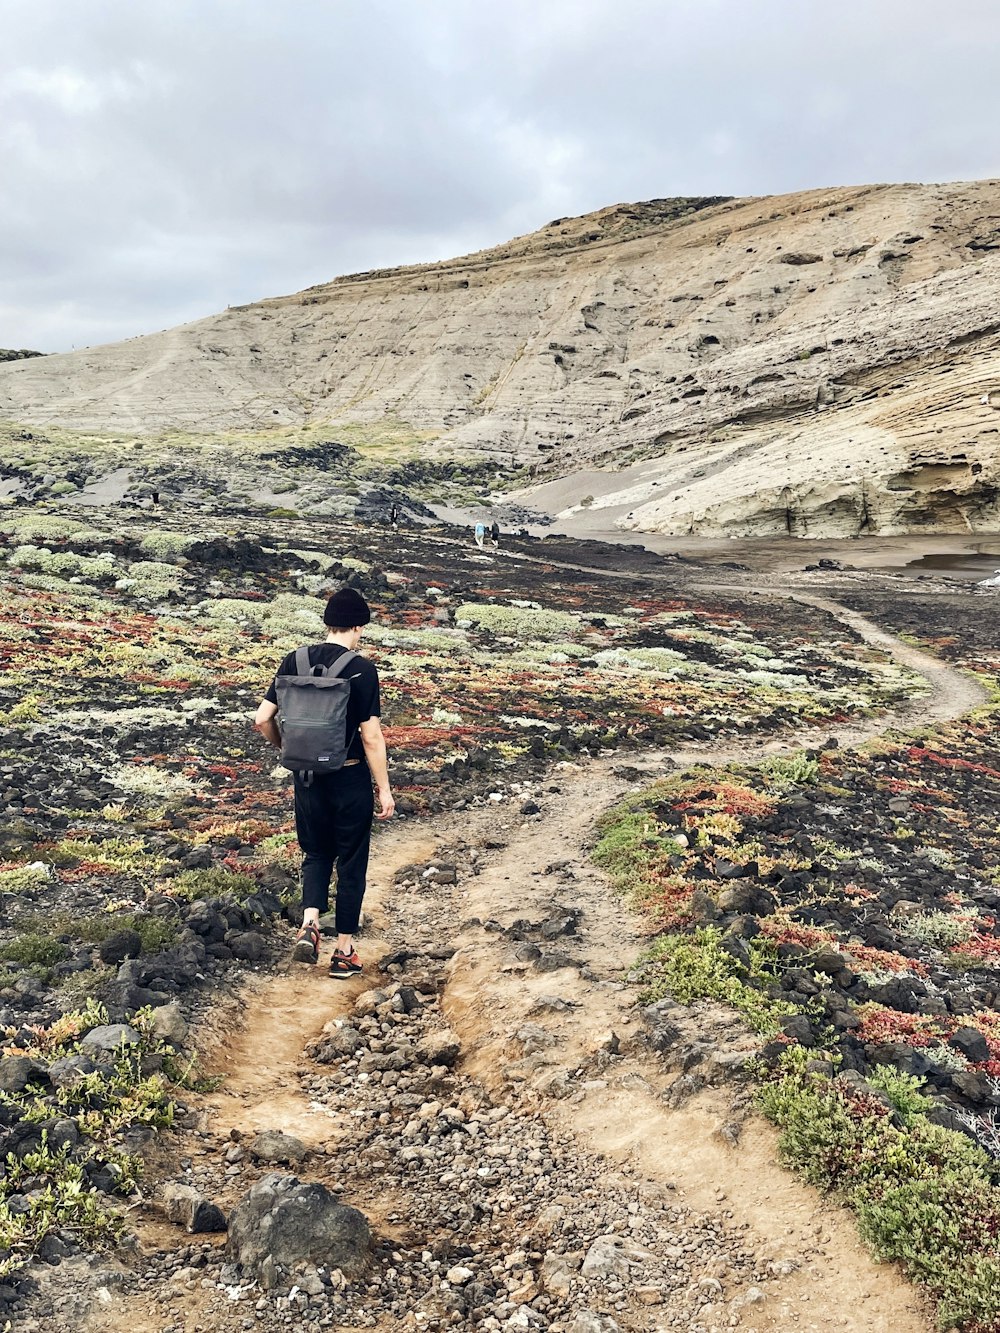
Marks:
<point>312,706</point>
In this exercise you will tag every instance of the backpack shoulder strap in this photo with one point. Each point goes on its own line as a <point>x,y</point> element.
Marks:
<point>344,660</point>
<point>302,667</point>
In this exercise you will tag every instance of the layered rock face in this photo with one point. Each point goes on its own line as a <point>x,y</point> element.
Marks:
<point>824,363</point>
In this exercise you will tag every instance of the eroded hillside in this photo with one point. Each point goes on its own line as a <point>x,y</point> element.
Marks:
<point>824,363</point>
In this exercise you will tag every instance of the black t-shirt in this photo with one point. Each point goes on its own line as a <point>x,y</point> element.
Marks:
<point>364,702</point>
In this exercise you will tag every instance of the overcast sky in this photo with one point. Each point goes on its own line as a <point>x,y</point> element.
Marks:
<point>161,159</point>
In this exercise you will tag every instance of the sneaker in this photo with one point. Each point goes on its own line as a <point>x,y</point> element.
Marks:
<point>343,965</point>
<point>306,945</point>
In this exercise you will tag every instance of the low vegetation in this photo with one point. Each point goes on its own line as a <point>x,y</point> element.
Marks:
<point>846,905</point>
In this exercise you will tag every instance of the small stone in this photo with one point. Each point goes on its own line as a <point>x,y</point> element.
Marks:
<point>170,1024</point>
<point>110,1037</point>
<point>185,1205</point>
<point>271,1145</point>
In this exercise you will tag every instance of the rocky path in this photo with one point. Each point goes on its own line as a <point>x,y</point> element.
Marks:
<point>531,1153</point>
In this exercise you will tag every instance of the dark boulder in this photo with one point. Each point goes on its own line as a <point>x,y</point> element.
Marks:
<point>17,1071</point>
<point>971,1043</point>
<point>747,898</point>
<point>976,1088</point>
<point>798,1027</point>
<point>119,946</point>
<point>898,1055</point>
<point>284,1223</point>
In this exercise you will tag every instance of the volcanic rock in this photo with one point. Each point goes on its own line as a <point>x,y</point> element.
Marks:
<point>271,1145</point>
<point>971,1043</point>
<point>185,1205</point>
<point>17,1071</point>
<point>110,1037</point>
<point>119,946</point>
<point>287,1223</point>
<point>170,1024</point>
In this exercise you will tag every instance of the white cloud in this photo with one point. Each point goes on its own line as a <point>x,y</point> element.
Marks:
<point>164,159</point>
<point>72,91</point>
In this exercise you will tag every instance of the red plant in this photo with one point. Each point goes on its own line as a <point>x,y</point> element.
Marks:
<point>945,761</point>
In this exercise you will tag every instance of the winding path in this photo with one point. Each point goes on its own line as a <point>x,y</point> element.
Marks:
<point>717,1159</point>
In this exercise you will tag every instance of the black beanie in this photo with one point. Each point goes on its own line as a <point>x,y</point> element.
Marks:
<point>345,609</point>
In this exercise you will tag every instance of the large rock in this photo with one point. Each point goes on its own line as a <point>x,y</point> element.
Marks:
<point>119,946</point>
<point>589,1322</point>
<point>70,1069</point>
<point>439,1048</point>
<point>283,1222</point>
<point>183,1204</point>
<point>971,1043</point>
<point>17,1071</point>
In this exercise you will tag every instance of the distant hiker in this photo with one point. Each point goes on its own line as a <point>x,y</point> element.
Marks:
<point>495,533</point>
<point>394,518</point>
<point>156,497</point>
<point>480,534</point>
<point>330,736</point>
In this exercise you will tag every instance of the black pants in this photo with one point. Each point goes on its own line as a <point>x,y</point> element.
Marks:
<point>333,822</point>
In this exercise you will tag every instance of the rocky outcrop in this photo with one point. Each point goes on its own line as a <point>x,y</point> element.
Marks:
<point>822,363</point>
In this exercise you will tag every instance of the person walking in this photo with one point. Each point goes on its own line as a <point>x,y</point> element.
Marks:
<point>334,810</point>
<point>394,517</point>
<point>480,534</point>
<point>495,533</point>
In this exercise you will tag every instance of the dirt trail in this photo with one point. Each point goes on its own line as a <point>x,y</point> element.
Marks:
<point>259,1053</point>
<point>951,692</point>
<point>828,1279</point>
<point>561,1041</point>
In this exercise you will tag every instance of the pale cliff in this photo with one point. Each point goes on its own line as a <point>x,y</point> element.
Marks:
<point>812,363</point>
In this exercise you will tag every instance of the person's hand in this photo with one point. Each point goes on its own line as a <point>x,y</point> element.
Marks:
<point>386,803</point>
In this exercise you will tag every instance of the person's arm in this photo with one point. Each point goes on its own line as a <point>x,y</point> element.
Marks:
<point>266,723</point>
<point>374,743</point>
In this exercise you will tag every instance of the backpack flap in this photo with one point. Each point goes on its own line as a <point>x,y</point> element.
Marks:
<point>313,715</point>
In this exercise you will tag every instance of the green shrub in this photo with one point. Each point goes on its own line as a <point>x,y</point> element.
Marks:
<point>924,1196</point>
<point>623,849</point>
<point>789,771</point>
<point>698,967</point>
<point>31,949</point>
<point>149,781</point>
<point>156,932</point>
<point>64,564</point>
<point>518,622</point>
<point>65,1203</point>
<point>151,579</point>
<point>21,879</point>
<point>214,883</point>
<point>45,527</point>
<point>942,930</point>
<point>102,1106</point>
<point>162,546</point>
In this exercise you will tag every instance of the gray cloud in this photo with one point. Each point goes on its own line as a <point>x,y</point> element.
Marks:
<point>162,160</point>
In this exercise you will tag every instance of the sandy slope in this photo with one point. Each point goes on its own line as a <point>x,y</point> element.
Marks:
<point>810,363</point>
